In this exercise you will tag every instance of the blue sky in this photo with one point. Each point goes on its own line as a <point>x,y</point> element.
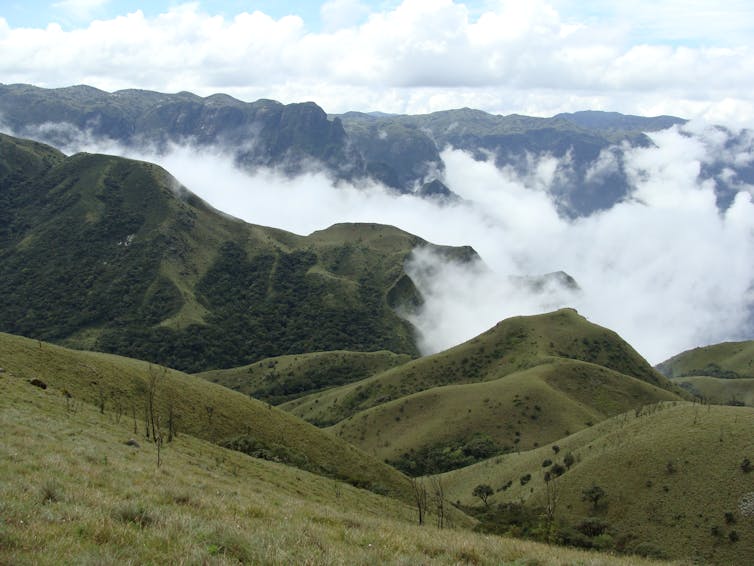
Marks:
<point>693,58</point>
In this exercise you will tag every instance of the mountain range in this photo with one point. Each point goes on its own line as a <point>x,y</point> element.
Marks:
<point>402,152</point>
<point>180,384</point>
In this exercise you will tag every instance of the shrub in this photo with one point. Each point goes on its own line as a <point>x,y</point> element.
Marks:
<point>746,466</point>
<point>733,536</point>
<point>546,462</point>
<point>51,492</point>
<point>569,460</point>
<point>525,479</point>
<point>134,513</point>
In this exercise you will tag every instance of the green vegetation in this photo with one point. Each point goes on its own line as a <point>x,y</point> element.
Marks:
<point>129,390</point>
<point>285,378</point>
<point>526,382</point>
<point>665,480</point>
<point>76,489</point>
<point>145,269</point>
<point>729,360</point>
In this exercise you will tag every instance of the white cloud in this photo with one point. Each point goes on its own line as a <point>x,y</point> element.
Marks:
<point>533,57</point>
<point>666,269</point>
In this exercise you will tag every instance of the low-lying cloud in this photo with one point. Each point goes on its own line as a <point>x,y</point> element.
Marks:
<point>665,268</point>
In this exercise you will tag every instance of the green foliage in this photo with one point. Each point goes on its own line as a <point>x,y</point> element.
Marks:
<point>438,458</point>
<point>483,491</point>
<point>594,495</point>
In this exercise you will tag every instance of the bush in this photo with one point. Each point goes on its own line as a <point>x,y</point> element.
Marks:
<point>746,466</point>
<point>134,513</point>
<point>51,492</point>
<point>525,479</point>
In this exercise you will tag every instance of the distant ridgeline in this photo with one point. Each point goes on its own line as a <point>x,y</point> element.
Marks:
<point>401,151</point>
<point>104,253</point>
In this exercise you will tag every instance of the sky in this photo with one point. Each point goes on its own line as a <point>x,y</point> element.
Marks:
<point>694,59</point>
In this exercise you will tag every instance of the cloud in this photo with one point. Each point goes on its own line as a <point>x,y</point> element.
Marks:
<point>665,268</point>
<point>533,57</point>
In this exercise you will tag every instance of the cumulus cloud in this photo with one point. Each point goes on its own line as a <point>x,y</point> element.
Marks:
<point>534,57</point>
<point>665,268</point>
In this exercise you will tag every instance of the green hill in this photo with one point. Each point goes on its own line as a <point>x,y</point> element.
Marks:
<point>729,360</point>
<point>72,492</point>
<point>285,378</point>
<point>123,388</point>
<point>512,345</point>
<point>674,479</point>
<point>455,425</point>
<point>718,390</point>
<point>109,254</point>
<point>525,382</point>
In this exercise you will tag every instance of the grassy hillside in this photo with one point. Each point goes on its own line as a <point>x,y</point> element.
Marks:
<point>676,478</point>
<point>718,390</point>
<point>143,268</point>
<point>729,360</point>
<point>512,345</point>
<point>285,378</point>
<point>72,491</point>
<point>456,425</point>
<point>192,406</point>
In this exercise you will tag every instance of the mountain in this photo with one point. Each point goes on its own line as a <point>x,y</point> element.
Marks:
<point>672,480</point>
<point>100,252</point>
<point>526,382</point>
<point>263,133</point>
<point>409,147</point>
<point>400,151</point>
<point>74,492</point>
<point>720,373</point>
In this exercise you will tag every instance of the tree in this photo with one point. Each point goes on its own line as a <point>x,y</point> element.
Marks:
<point>483,492</point>
<point>420,497</point>
<point>593,494</point>
<point>438,492</point>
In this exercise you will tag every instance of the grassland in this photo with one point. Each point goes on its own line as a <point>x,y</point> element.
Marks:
<point>718,390</point>
<point>285,378</point>
<point>74,492</point>
<point>526,382</point>
<point>190,405</point>
<point>729,360</point>
<point>519,411</point>
<point>674,477</point>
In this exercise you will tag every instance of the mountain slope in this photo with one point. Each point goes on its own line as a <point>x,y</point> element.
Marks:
<point>263,133</point>
<point>72,492</point>
<point>673,478</point>
<point>100,252</point>
<point>515,344</point>
<point>284,378</point>
<point>520,411</point>
<point>729,360</point>
<point>188,405</point>
<point>526,382</point>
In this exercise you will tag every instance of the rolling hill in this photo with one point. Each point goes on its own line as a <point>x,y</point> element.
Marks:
<point>674,479</point>
<point>721,373</point>
<point>104,253</point>
<point>525,382</point>
<point>123,389</point>
<point>73,492</point>
<point>284,378</point>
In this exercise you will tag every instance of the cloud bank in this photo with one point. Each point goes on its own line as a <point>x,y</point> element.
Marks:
<point>536,57</point>
<point>665,268</point>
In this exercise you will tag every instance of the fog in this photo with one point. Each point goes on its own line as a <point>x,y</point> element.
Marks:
<point>664,268</point>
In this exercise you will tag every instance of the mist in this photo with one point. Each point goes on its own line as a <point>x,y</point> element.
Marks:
<point>665,268</point>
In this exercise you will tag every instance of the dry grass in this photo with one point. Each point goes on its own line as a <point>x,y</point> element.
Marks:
<point>71,491</point>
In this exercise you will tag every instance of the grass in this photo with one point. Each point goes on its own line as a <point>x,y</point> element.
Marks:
<point>285,378</point>
<point>118,386</point>
<point>519,411</point>
<point>515,344</point>
<point>720,391</point>
<point>72,492</point>
<point>729,360</point>
<point>672,475</point>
